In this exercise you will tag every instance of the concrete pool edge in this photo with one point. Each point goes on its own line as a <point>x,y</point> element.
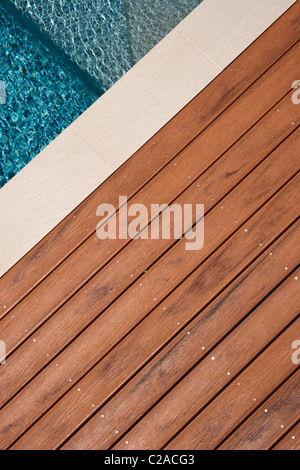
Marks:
<point>126,117</point>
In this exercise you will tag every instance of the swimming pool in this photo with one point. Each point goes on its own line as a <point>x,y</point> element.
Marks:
<point>44,94</point>
<point>59,56</point>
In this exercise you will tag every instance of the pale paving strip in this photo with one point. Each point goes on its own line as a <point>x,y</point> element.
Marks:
<point>2,271</point>
<point>126,117</point>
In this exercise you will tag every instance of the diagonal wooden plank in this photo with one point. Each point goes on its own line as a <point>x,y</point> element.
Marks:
<point>186,349</point>
<point>65,238</point>
<point>206,380</point>
<point>217,181</point>
<point>228,171</point>
<point>62,328</point>
<point>259,433</point>
<point>258,206</point>
<point>189,347</point>
<point>236,402</point>
<point>109,375</point>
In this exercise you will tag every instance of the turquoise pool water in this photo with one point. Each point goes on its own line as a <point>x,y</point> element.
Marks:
<point>44,94</point>
<point>59,56</point>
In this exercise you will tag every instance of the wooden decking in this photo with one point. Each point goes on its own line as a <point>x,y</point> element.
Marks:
<point>120,344</point>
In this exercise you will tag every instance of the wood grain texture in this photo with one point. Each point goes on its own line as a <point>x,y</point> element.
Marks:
<point>185,350</point>
<point>259,433</point>
<point>236,402</point>
<point>234,23</point>
<point>62,328</point>
<point>109,375</point>
<point>194,118</point>
<point>110,343</point>
<point>216,180</point>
